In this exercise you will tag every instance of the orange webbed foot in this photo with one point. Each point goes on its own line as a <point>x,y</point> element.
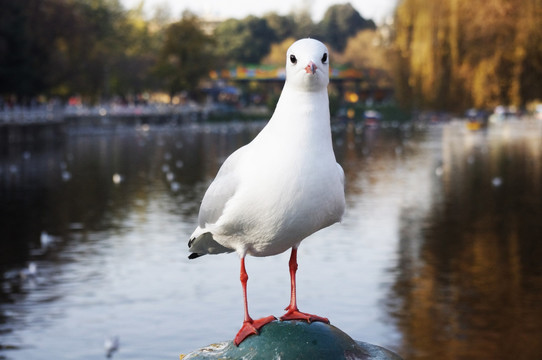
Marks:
<point>295,314</point>
<point>251,327</point>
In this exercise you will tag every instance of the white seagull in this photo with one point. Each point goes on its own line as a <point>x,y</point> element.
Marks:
<point>283,186</point>
<point>111,345</point>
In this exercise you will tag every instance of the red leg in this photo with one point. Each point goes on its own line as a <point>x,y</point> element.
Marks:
<point>250,326</point>
<point>293,312</point>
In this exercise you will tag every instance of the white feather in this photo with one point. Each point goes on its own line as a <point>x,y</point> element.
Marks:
<point>286,184</point>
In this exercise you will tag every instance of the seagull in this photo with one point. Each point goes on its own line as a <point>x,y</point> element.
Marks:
<point>111,344</point>
<point>30,272</point>
<point>280,188</point>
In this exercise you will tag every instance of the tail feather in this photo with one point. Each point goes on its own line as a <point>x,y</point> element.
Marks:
<point>205,244</point>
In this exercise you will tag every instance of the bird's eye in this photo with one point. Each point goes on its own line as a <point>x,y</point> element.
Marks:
<point>324,58</point>
<point>293,59</point>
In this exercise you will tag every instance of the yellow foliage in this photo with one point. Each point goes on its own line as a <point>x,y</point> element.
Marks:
<point>364,50</point>
<point>276,54</point>
<point>461,53</point>
<point>485,88</point>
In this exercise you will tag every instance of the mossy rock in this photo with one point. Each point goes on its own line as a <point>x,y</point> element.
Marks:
<point>295,340</point>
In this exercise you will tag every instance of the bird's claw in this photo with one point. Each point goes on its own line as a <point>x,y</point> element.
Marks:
<point>251,327</point>
<point>294,314</point>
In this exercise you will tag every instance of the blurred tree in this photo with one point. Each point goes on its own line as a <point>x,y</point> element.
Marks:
<point>365,50</point>
<point>141,41</point>
<point>341,22</point>
<point>455,54</point>
<point>186,56</point>
<point>13,46</point>
<point>62,47</point>
<point>488,31</point>
<point>27,32</point>
<point>277,55</point>
<point>305,27</point>
<point>162,15</point>
<point>283,27</point>
<point>421,41</point>
<point>528,52</point>
<point>97,49</point>
<point>243,41</point>
<point>92,44</point>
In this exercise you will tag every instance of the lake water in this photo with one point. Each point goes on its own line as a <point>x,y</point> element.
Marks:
<point>439,255</point>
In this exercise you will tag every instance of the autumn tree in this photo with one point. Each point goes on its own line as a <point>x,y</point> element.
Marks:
<point>277,54</point>
<point>453,54</point>
<point>528,52</point>
<point>365,50</point>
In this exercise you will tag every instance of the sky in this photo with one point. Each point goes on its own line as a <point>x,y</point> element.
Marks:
<point>376,10</point>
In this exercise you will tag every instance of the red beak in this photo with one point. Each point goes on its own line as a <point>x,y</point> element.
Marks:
<point>311,68</point>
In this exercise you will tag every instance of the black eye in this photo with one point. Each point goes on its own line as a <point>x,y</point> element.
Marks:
<point>324,58</point>
<point>293,59</point>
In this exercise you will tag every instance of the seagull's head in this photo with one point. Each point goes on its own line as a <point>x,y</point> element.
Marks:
<point>307,65</point>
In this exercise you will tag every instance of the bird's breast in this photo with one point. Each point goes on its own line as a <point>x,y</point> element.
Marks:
<point>286,199</point>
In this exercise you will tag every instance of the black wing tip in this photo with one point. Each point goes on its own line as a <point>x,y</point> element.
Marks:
<point>194,256</point>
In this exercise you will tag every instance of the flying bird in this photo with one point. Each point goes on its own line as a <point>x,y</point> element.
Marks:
<point>283,186</point>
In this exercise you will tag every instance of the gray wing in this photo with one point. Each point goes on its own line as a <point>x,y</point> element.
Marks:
<point>341,173</point>
<point>221,190</point>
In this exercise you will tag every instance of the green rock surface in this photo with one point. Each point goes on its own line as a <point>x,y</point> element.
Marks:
<point>295,340</point>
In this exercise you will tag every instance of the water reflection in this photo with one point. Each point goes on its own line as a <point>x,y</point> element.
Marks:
<point>469,286</point>
<point>437,256</point>
<point>91,182</point>
<point>64,207</point>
